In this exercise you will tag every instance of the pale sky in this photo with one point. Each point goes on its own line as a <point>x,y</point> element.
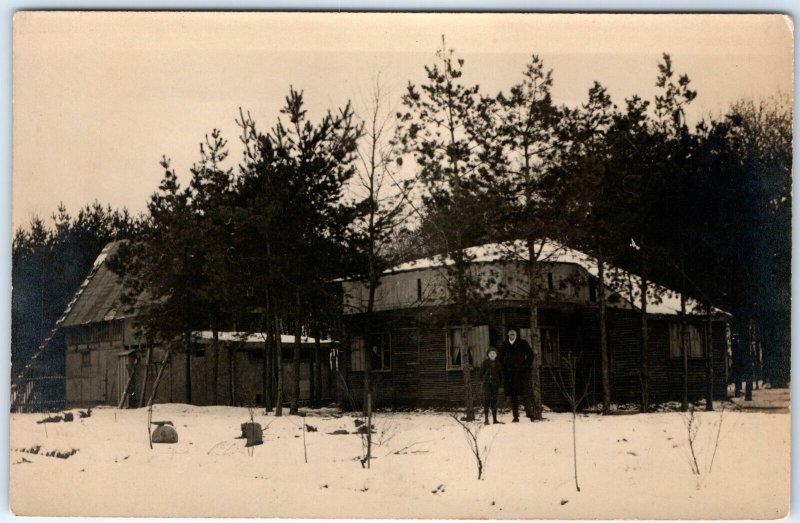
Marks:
<point>100,97</point>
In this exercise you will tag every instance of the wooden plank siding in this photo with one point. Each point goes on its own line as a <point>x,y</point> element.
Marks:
<point>419,375</point>
<point>93,355</point>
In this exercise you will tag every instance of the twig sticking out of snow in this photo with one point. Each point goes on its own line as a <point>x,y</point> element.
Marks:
<point>717,440</point>
<point>693,426</point>
<point>472,433</point>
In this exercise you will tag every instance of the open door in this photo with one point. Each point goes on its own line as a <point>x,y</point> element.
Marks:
<point>126,381</point>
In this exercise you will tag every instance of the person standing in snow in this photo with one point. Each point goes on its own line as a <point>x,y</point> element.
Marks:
<point>516,357</point>
<point>491,374</point>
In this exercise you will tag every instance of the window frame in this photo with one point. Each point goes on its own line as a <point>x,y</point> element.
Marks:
<point>696,343</point>
<point>385,340</point>
<point>479,345</point>
<point>525,334</point>
<point>448,344</point>
<point>358,353</point>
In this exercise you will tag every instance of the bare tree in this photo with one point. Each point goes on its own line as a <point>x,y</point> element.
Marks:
<point>566,378</point>
<point>382,201</point>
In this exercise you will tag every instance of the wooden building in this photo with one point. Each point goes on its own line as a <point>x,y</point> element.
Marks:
<point>107,362</point>
<point>416,357</point>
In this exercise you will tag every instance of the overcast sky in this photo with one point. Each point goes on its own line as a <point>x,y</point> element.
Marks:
<point>100,97</point>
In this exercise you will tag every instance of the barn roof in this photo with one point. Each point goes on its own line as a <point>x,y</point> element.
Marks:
<point>660,300</point>
<point>99,297</point>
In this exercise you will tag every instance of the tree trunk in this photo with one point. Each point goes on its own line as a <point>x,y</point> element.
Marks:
<point>684,358</point>
<point>748,362</point>
<point>367,355</point>
<point>232,371</point>
<point>265,367</point>
<point>604,359</point>
<point>188,348</point>
<point>536,342</point>
<point>279,367</point>
<point>158,378</point>
<point>709,348</point>
<point>215,370</point>
<point>466,372</point>
<point>312,379</point>
<point>645,368</point>
<point>294,405</point>
<point>369,429</point>
<point>146,376</point>
<point>317,374</point>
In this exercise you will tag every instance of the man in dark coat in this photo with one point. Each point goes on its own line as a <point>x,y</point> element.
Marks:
<point>516,357</point>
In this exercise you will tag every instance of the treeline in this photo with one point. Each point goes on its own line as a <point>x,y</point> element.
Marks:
<point>705,210</point>
<point>49,262</point>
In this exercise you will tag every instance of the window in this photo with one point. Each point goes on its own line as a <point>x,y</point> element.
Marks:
<point>357,353</point>
<point>477,346</point>
<point>550,341</point>
<point>592,290</point>
<point>380,355</point>
<point>86,358</point>
<point>199,351</point>
<point>694,341</point>
<point>551,347</point>
<point>550,286</point>
<point>419,289</point>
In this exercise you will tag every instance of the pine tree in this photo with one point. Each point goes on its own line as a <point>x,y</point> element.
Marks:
<point>292,185</point>
<point>448,128</point>
<point>528,133</point>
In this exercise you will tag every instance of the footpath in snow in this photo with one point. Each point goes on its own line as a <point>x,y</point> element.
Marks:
<point>636,466</point>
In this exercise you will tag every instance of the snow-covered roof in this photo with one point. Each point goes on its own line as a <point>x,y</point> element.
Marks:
<point>660,300</point>
<point>254,337</point>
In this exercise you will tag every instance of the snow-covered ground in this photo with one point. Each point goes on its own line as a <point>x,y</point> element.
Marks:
<point>632,466</point>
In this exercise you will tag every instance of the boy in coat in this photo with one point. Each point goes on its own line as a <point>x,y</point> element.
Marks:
<point>491,374</point>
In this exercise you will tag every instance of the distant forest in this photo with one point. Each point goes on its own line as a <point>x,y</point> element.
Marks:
<point>705,210</point>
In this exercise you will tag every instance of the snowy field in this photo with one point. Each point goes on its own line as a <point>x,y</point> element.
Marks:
<point>632,466</point>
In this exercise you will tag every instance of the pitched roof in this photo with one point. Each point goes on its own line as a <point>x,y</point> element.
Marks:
<point>99,297</point>
<point>660,300</point>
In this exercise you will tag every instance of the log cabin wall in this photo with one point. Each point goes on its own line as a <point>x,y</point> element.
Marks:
<point>419,375</point>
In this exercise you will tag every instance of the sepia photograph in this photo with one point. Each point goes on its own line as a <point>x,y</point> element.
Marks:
<point>396,265</point>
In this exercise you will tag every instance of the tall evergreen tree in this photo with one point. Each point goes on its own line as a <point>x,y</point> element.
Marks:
<point>298,172</point>
<point>587,186</point>
<point>528,133</point>
<point>448,128</point>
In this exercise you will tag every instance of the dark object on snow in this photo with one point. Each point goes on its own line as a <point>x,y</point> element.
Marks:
<point>51,419</point>
<point>564,501</point>
<point>363,429</point>
<point>357,422</point>
<point>68,416</point>
<point>253,433</point>
<point>85,413</point>
<point>311,428</point>
<point>164,433</point>
<point>338,432</point>
<point>61,454</point>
